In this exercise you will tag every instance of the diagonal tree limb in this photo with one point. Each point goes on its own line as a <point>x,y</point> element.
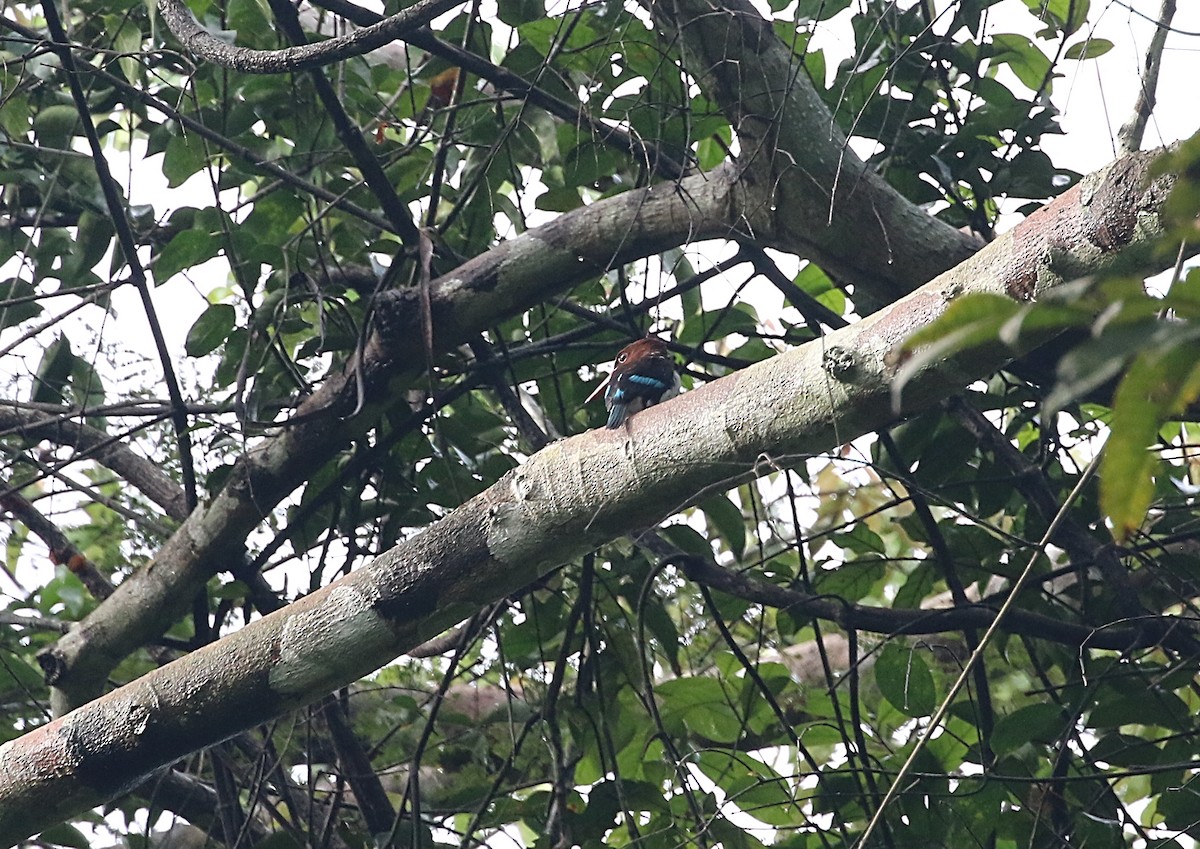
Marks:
<point>521,272</point>
<point>1105,232</point>
<point>62,550</point>
<point>837,211</point>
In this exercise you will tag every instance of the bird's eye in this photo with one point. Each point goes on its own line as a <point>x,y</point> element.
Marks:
<point>622,358</point>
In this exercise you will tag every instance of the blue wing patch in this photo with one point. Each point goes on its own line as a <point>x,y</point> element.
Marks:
<point>644,380</point>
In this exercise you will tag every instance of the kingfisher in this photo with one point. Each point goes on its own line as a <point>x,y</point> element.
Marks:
<point>643,374</point>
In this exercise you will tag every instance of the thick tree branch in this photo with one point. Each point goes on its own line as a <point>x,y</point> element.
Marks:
<point>206,46</point>
<point>803,189</point>
<point>584,243</point>
<point>731,201</point>
<point>564,501</point>
<point>1067,239</point>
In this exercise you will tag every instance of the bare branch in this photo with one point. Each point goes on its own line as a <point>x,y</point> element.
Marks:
<point>1131,133</point>
<point>38,623</point>
<point>62,550</point>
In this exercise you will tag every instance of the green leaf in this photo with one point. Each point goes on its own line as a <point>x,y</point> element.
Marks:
<point>1095,362</point>
<point>968,322</point>
<point>1184,297</point>
<point>87,387</point>
<point>660,624</point>
<point>1160,383</point>
<point>1089,49</point>
<point>128,41</point>
<point>183,158</point>
<point>247,16</point>
<point>1040,723</point>
<point>53,372</point>
<point>861,540</point>
<point>517,12</point>
<point>210,330</point>
<point>64,834</point>
<point>18,679</point>
<point>1125,750</point>
<point>713,150</point>
<point>1065,15</point>
<point>853,580</point>
<point>14,314</point>
<point>727,520</point>
<point>93,236</point>
<point>1154,708</point>
<point>751,785</point>
<point>1023,57</point>
<point>905,681</point>
<point>918,585</point>
<point>189,248</point>
<point>54,126</point>
<point>820,10</point>
<point>813,280</point>
<point>559,200</point>
<point>702,706</point>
